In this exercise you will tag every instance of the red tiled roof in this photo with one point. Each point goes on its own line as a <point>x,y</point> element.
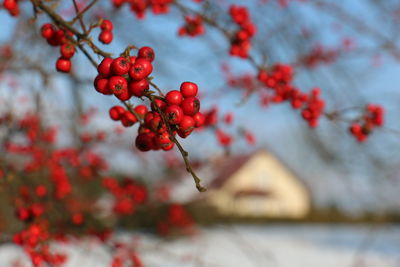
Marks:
<point>226,168</point>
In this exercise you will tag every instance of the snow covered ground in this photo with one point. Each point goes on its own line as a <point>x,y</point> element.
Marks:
<point>253,246</point>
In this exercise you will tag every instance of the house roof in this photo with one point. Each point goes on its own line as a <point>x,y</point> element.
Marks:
<point>217,172</point>
<point>228,167</point>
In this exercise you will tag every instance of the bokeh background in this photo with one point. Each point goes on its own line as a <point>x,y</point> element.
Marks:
<point>350,178</point>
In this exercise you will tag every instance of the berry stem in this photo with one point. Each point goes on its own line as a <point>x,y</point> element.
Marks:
<point>184,153</point>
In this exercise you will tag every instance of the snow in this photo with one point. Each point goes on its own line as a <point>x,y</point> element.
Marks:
<point>249,246</point>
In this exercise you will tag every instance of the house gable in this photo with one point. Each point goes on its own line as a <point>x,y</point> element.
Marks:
<point>262,186</point>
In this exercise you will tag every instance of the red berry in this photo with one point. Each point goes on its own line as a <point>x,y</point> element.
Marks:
<point>174,97</point>
<point>154,122</point>
<point>146,53</point>
<point>168,147</point>
<point>120,66</point>
<point>164,141</point>
<point>141,110</point>
<point>138,88</point>
<point>174,114</point>
<point>63,65</point>
<point>228,118</point>
<point>60,37</point>
<point>101,85</point>
<point>37,209</point>
<point>132,59</point>
<point>118,3</point>
<point>12,7</point>
<point>144,142</point>
<point>23,214</point>
<point>128,119</point>
<point>106,37</point>
<point>124,95</point>
<point>223,138</point>
<point>199,119</point>
<point>142,129</point>
<point>47,30</point>
<point>149,116</point>
<point>189,89</point>
<point>67,51</point>
<point>106,25</point>
<point>160,104</point>
<point>141,69</point>
<point>116,112</point>
<point>117,84</point>
<point>41,190</point>
<point>186,126</point>
<point>77,218</point>
<point>104,68</point>
<point>251,140</point>
<point>10,4</point>
<point>190,106</point>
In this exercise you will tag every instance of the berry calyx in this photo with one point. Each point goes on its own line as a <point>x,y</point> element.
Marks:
<point>174,114</point>
<point>116,112</point>
<point>117,85</point>
<point>141,69</point>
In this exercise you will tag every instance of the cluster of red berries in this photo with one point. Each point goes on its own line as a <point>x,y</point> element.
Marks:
<point>106,35</point>
<point>373,117</point>
<point>27,208</point>
<point>224,138</point>
<point>193,26</point>
<point>31,211</point>
<point>58,37</point>
<point>279,75</point>
<point>125,77</point>
<point>34,241</point>
<point>241,42</point>
<point>127,193</point>
<point>312,107</point>
<point>279,79</point>
<point>127,118</point>
<point>180,110</point>
<point>12,7</point>
<point>139,7</point>
<point>54,195</point>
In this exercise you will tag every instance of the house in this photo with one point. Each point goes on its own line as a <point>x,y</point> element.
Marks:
<point>258,185</point>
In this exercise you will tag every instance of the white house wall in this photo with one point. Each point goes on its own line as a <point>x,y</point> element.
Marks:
<point>289,199</point>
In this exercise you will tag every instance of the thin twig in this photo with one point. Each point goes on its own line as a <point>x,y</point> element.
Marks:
<point>156,87</point>
<point>81,13</point>
<point>184,153</point>
<point>80,17</point>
